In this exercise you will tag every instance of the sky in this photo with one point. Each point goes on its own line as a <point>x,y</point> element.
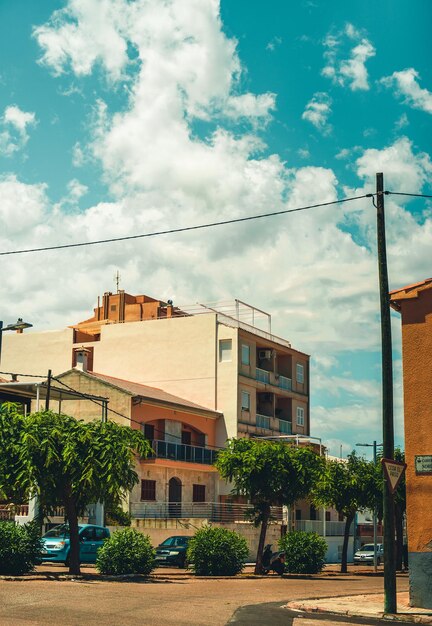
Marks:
<point>124,117</point>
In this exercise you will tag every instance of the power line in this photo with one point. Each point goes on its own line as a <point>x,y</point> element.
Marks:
<point>25,375</point>
<point>185,228</point>
<point>402,193</point>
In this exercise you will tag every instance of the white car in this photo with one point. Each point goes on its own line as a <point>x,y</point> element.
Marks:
<point>366,553</point>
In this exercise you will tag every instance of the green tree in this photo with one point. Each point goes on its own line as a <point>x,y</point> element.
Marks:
<point>270,474</point>
<point>14,479</point>
<point>71,463</point>
<point>348,486</point>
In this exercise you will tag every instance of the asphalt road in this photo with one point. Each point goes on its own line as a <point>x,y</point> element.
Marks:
<point>169,599</point>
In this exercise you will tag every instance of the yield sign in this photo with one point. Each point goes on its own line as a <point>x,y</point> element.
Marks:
<point>393,471</point>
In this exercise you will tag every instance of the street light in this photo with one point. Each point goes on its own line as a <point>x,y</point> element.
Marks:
<point>19,325</point>
<point>373,445</point>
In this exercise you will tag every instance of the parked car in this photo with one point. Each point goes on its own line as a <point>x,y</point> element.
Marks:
<point>56,543</point>
<point>366,553</point>
<point>172,551</point>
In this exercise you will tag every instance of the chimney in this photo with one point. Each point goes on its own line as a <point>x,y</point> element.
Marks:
<point>81,359</point>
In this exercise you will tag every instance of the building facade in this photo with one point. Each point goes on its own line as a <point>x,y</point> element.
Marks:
<point>414,303</point>
<point>257,380</point>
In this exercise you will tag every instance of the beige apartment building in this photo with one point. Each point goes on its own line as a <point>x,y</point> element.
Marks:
<point>209,356</point>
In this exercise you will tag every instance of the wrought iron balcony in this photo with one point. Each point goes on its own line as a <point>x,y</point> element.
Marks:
<point>182,452</point>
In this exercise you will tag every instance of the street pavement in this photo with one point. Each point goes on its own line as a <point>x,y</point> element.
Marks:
<point>176,598</point>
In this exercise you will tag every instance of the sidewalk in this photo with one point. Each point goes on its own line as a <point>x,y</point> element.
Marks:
<point>370,605</point>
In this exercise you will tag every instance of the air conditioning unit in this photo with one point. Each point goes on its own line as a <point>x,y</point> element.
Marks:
<point>264,354</point>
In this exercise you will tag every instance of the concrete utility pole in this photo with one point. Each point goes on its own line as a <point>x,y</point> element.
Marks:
<point>390,604</point>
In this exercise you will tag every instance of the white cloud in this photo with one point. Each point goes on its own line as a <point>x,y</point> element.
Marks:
<point>402,122</point>
<point>304,153</point>
<point>318,110</point>
<point>13,129</point>
<point>274,43</point>
<point>349,71</point>
<point>406,86</point>
<point>305,268</point>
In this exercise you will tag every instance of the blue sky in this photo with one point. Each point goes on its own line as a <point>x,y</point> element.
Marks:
<point>122,117</point>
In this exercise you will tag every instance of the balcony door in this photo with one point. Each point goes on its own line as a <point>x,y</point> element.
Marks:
<point>174,497</point>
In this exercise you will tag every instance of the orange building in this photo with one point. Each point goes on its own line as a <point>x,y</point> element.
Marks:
<point>414,303</point>
<point>179,478</point>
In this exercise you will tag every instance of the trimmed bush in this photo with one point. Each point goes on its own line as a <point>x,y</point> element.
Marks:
<point>20,548</point>
<point>127,551</point>
<point>305,552</point>
<point>216,551</point>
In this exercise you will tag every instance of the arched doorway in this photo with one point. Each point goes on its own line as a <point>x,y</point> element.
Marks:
<point>174,497</point>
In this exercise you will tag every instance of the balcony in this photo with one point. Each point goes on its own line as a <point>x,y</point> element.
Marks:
<point>182,452</point>
<point>332,529</point>
<point>270,378</point>
<point>212,511</point>
<point>263,421</point>
<point>285,427</point>
<point>263,376</point>
<point>285,383</point>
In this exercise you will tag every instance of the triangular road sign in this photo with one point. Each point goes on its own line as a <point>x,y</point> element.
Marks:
<point>393,472</point>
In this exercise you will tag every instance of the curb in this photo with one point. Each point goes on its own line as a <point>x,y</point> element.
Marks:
<point>414,618</point>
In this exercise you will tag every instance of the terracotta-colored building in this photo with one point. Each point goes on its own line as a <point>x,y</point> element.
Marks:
<point>414,303</point>
<point>180,476</point>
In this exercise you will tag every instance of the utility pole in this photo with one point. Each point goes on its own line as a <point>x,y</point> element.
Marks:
<point>48,391</point>
<point>390,604</point>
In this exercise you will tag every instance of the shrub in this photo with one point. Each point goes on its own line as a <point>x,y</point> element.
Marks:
<point>115,516</point>
<point>305,552</point>
<point>20,548</point>
<point>217,552</point>
<point>127,551</point>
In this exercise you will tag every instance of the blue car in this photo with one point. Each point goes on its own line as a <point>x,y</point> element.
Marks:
<point>56,543</point>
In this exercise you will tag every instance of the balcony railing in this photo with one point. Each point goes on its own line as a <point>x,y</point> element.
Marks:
<point>263,421</point>
<point>263,376</point>
<point>285,427</point>
<point>285,383</point>
<point>183,452</point>
<point>332,529</point>
<point>213,511</point>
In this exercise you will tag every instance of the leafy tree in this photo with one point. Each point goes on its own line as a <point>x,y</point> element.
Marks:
<point>70,463</point>
<point>270,474</point>
<point>14,480</point>
<point>348,486</point>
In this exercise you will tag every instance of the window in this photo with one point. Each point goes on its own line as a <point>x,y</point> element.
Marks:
<point>87,534</point>
<point>298,514</point>
<point>198,493</point>
<point>225,349</point>
<point>148,490</point>
<point>149,432</point>
<point>245,401</point>
<point>312,512</point>
<point>300,416</point>
<point>200,440</point>
<point>300,373</point>
<point>245,354</point>
<point>100,534</point>
<point>328,516</point>
<point>186,437</point>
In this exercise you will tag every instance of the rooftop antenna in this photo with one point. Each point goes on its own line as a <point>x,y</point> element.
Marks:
<point>117,278</point>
